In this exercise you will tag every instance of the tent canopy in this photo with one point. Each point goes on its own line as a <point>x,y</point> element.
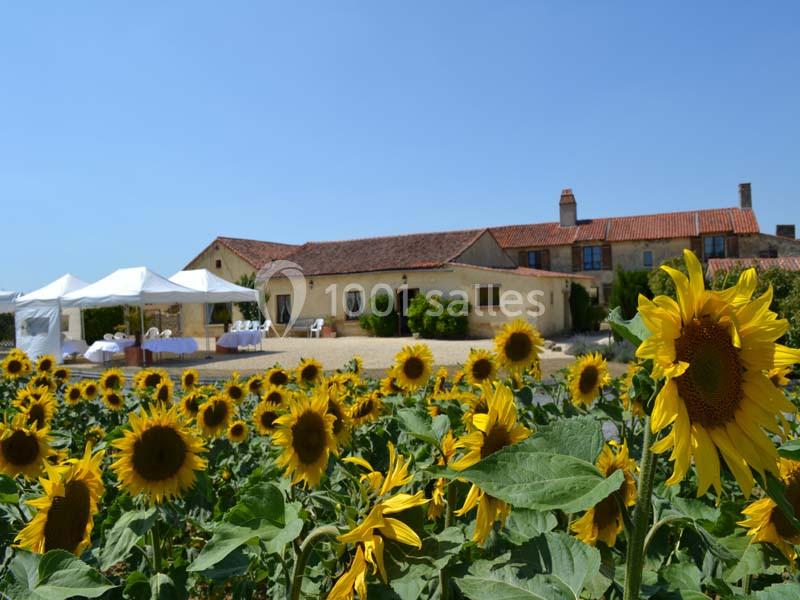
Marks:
<point>54,290</point>
<point>215,288</point>
<point>7,301</point>
<point>133,286</point>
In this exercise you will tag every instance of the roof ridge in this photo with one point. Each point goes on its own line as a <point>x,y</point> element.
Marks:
<point>398,235</point>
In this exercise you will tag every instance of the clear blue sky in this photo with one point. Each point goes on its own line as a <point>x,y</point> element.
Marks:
<point>135,134</point>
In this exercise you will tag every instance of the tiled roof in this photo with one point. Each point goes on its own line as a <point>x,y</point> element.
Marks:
<point>787,263</point>
<point>629,229</point>
<point>525,271</point>
<point>254,252</point>
<point>413,251</point>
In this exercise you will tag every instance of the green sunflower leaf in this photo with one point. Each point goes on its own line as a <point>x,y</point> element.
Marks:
<point>790,449</point>
<point>633,330</point>
<point>125,534</point>
<point>57,575</point>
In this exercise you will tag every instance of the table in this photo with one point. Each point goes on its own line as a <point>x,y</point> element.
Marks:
<point>175,345</point>
<point>234,339</point>
<point>97,351</point>
<point>69,347</point>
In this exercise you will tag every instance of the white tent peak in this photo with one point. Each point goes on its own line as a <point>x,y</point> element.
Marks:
<point>55,289</point>
<point>205,281</point>
<point>7,301</point>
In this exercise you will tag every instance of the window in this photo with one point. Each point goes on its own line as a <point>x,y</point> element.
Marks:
<point>218,263</point>
<point>714,247</point>
<point>353,304</point>
<point>283,308</point>
<point>489,295</point>
<point>536,259</point>
<point>592,258</point>
<point>647,259</point>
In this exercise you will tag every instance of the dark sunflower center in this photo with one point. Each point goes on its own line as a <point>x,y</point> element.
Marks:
<point>74,394</point>
<point>606,513</point>
<point>497,438</point>
<point>518,346</point>
<point>90,390</point>
<point>274,398</point>
<point>782,525</point>
<point>114,399</point>
<point>67,518</point>
<point>335,410</point>
<point>711,387</point>
<point>42,380</point>
<point>235,392</point>
<point>363,409</point>
<point>268,419</point>
<point>60,374</point>
<point>45,365</point>
<point>237,430</point>
<point>588,379</point>
<point>215,414</point>
<point>159,453</point>
<point>481,369</point>
<point>112,381</point>
<point>152,380</point>
<point>163,393</point>
<point>481,407</point>
<point>309,373</point>
<point>191,404</point>
<point>14,366</point>
<point>278,378</point>
<point>20,449</point>
<point>188,380</point>
<point>255,387</point>
<point>36,416</point>
<point>413,367</point>
<point>308,437</point>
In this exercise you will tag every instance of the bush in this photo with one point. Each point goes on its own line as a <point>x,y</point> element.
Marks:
<point>660,282</point>
<point>7,333</point>
<point>438,318</point>
<point>249,310</point>
<point>382,326</point>
<point>454,322</point>
<point>585,315</point>
<point>626,289</point>
<point>99,321</point>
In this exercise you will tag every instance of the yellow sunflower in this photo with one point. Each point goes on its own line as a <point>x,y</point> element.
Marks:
<point>517,345</point>
<point>233,389</point>
<point>366,409</point>
<point>275,395</point>
<point>494,430</point>
<point>780,376</point>
<point>766,522</point>
<point>438,499</point>
<point>95,435</point>
<point>38,413</point>
<point>43,380</point>
<point>30,393</point>
<point>112,379</point>
<point>163,391</point>
<point>214,416</point>
<point>190,404</point>
<point>189,379</point>
<point>73,393</point>
<point>61,374</point>
<point>341,424</point>
<point>255,385</point>
<point>89,389</point>
<point>477,404</point>
<point>158,455</point>
<point>439,383</point>
<point>389,385</point>
<point>626,391</point>
<point>114,399</point>
<point>306,434</point>
<point>603,522</point>
<point>45,363</point>
<point>308,372</point>
<point>65,513</point>
<point>587,376</point>
<point>480,367</point>
<point>23,449</point>
<point>277,376</point>
<point>265,415</point>
<point>712,349</point>
<point>148,379</point>
<point>357,365</point>
<point>237,432</point>
<point>16,365</point>
<point>412,367</point>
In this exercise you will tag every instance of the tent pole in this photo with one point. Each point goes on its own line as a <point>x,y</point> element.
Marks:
<point>141,337</point>
<point>205,321</point>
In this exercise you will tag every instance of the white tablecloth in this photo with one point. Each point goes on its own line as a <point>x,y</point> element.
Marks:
<point>73,347</point>
<point>234,339</point>
<point>176,345</point>
<point>97,351</point>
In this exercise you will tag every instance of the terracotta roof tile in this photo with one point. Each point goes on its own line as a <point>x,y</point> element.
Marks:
<point>254,252</point>
<point>787,263</point>
<point>525,271</point>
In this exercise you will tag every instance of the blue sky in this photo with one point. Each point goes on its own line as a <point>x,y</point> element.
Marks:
<point>135,134</point>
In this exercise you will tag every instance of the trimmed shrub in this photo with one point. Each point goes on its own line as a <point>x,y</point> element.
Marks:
<point>626,289</point>
<point>382,326</point>
<point>249,310</point>
<point>99,321</point>
<point>585,315</point>
<point>438,318</point>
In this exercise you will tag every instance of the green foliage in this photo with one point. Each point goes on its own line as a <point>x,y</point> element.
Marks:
<point>585,315</point>
<point>6,327</point>
<point>382,325</point>
<point>220,314</point>
<point>99,321</point>
<point>249,310</point>
<point>57,575</point>
<point>436,317</point>
<point>660,283</point>
<point>626,289</point>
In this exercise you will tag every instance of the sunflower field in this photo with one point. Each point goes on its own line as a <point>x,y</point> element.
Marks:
<point>680,479</point>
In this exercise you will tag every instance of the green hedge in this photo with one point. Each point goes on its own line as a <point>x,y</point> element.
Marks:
<point>585,315</point>
<point>438,318</point>
<point>626,289</point>
<point>380,325</point>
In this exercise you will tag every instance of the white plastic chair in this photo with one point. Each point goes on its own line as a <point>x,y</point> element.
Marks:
<point>246,326</point>
<point>316,328</point>
<point>120,336</point>
<point>151,333</point>
<point>108,337</point>
<point>266,327</point>
<point>237,326</point>
<point>167,333</point>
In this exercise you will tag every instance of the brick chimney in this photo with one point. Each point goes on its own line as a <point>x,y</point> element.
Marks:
<point>568,208</point>
<point>785,231</point>
<point>745,196</point>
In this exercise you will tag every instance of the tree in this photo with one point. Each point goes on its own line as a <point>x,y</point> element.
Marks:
<point>249,310</point>
<point>626,289</point>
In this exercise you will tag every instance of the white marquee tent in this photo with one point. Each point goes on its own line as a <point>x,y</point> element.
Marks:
<point>7,301</point>
<point>217,290</point>
<point>38,317</point>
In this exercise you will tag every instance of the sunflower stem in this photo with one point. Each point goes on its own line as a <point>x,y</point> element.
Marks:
<point>444,587</point>
<point>304,553</point>
<point>155,539</point>
<point>641,517</point>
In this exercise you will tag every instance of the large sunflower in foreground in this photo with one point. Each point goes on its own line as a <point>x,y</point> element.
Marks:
<point>517,345</point>
<point>587,376</point>
<point>158,455</point>
<point>16,364</point>
<point>112,379</point>
<point>214,416</point>
<point>369,536</point>
<point>766,522</point>
<point>480,367</point>
<point>306,434</point>
<point>412,367</point>
<point>713,349</point>
<point>308,372</point>
<point>23,448</point>
<point>494,430</point>
<point>604,521</point>
<point>65,514</point>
